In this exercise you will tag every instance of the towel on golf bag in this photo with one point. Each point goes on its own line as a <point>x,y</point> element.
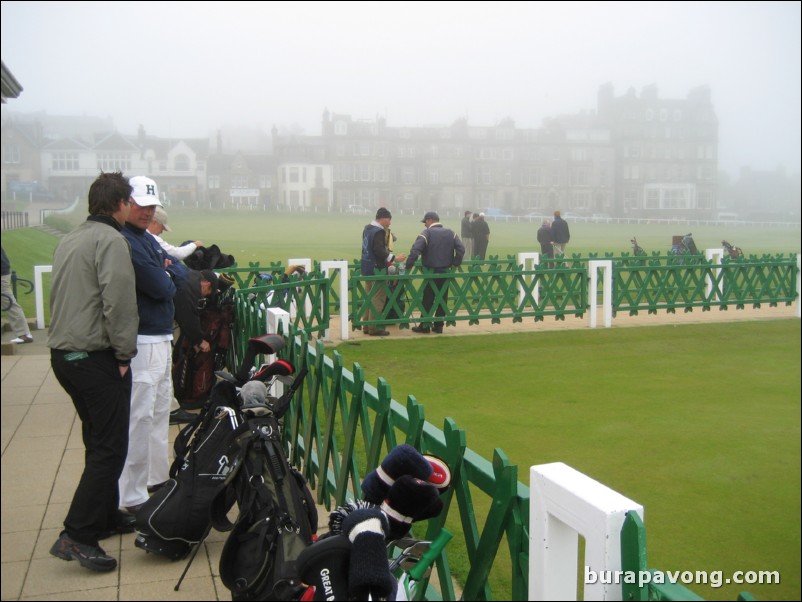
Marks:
<point>178,515</point>
<point>209,258</point>
<point>277,517</point>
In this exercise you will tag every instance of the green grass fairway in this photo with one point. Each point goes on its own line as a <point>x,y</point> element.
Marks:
<point>698,423</point>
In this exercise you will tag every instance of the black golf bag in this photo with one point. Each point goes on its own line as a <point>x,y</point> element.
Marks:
<point>193,371</point>
<point>732,251</point>
<point>177,516</point>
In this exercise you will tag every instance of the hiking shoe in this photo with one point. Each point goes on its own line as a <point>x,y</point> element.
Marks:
<point>181,416</point>
<point>126,523</point>
<point>91,557</point>
<point>26,338</point>
<point>421,329</point>
<point>437,330</point>
<point>379,333</point>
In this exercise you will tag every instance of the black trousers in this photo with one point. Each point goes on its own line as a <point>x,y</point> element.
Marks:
<point>102,400</point>
<point>433,286</point>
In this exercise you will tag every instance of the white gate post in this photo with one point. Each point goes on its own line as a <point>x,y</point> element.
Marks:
<point>535,257</point>
<point>342,266</point>
<point>594,265</point>
<point>564,503</point>
<point>273,317</point>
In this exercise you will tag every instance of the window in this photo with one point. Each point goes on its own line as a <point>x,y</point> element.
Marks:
<point>265,181</point>
<point>214,182</point>
<point>340,128</point>
<point>294,174</point>
<point>181,163</point>
<point>65,161</point>
<point>11,153</point>
<point>113,162</point>
<point>239,181</point>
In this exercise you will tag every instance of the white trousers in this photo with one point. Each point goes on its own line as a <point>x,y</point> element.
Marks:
<point>148,460</point>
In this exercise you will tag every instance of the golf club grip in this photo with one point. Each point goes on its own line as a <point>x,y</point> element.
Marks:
<point>429,556</point>
<point>284,403</point>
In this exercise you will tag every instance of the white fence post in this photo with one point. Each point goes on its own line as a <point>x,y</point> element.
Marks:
<point>342,266</point>
<point>594,265</point>
<point>38,270</point>
<point>798,285</point>
<point>535,257</point>
<point>275,316</point>
<point>564,503</point>
<point>713,255</point>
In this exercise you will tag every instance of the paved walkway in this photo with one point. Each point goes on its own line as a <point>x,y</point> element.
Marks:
<point>42,459</point>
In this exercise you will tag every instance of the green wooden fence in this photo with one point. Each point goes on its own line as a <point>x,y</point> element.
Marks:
<point>341,426</point>
<point>499,289</point>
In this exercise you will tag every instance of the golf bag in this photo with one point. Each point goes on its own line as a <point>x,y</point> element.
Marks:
<point>193,371</point>
<point>683,245</point>
<point>732,251</point>
<point>177,516</point>
<point>277,514</point>
<point>637,250</point>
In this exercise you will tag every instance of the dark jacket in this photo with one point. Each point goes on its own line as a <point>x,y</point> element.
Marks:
<point>439,247</point>
<point>375,254</point>
<point>467,228</point>
<point>154,285</point>
<point>559,231</point>
<point>544,238</point>
<point>187,313</point>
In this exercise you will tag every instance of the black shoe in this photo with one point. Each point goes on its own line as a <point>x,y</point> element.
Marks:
<point>437,330</point>
<point>379,333</point>
<point>126,524</point>
<point>421,329</point>
<point>91,557</point>
<point>181,416</point>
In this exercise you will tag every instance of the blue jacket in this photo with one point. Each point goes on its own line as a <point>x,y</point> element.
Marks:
<point>155,288</point>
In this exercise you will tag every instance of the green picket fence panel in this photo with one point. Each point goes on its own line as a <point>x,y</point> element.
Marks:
<point>339,429</point>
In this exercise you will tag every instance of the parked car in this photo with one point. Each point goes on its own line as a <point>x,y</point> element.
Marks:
<point>357,209</point>
<point>496,212</point>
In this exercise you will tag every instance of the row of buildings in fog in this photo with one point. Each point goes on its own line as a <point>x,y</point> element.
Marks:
<point>635,155</point>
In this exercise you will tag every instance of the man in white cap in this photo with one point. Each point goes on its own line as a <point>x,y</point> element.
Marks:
<point>147,464</point>
<point>158,225</point>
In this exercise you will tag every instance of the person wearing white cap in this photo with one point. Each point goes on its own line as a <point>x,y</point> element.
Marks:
<point>147,463</point>
<point>158,225</point>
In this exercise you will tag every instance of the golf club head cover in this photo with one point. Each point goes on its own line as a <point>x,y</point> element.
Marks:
<point>338,515</point>
<point>324,565</point>
<point>369,572</point>
<point>277,368</point>
<point>402,460</point>
<point>410,500</point>
<point>267,344</point>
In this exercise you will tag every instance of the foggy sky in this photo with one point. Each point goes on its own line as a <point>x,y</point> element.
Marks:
<point>185,69</point>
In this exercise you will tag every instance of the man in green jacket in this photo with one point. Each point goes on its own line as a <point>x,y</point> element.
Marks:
<point>92,338</point>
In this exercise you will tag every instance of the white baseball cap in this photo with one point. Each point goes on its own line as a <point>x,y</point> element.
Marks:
<point>146,193</point>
